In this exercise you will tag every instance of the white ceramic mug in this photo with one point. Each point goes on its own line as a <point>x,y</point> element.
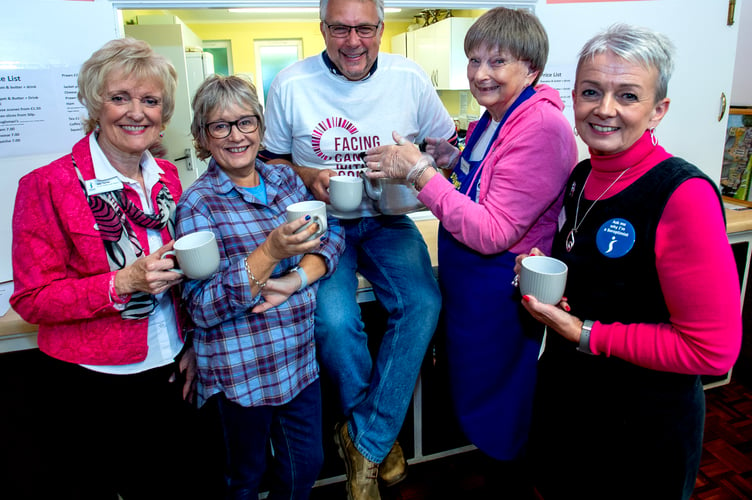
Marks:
<point>544,278</point>
<point>345,192</point>
<point>315,208</point>
<point>197,255</point>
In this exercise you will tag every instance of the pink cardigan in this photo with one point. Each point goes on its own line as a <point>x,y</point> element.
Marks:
<point>522,182</point>
<point>60,270</point>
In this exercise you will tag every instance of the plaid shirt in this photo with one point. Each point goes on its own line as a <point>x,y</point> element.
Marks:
<point>254,359</point>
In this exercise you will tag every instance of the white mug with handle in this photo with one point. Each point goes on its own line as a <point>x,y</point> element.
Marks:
<point>197,255</point>
<point>316,209</point>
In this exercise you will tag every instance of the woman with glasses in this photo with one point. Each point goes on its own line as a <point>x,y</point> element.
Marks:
<point>502,194</point>
<point>257,367</point>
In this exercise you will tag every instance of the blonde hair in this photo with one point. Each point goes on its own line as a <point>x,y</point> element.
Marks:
<point>127,56</point>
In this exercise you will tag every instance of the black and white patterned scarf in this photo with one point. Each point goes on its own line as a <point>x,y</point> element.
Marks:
<point>114,212</point>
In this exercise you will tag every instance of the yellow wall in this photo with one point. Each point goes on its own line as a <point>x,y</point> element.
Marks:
<point>242,36</point>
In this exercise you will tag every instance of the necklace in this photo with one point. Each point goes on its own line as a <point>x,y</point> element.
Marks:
<point>570,236</point>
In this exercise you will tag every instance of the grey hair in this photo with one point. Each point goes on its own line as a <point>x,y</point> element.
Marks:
<point>518,31</point>
<point>323,4</point>
<point>637,45</point>
<point>131,58</point>
<point>219,93</point>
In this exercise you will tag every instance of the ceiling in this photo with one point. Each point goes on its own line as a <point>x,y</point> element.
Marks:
<point>223,15</point>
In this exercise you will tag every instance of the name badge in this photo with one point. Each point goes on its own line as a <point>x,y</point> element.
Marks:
<point>99,186</point>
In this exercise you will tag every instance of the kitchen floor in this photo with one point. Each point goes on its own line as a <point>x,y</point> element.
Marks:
<point>725,471</point>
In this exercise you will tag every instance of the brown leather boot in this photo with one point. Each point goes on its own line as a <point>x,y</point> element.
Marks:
<point>394,467</point>
<point>362,474</point>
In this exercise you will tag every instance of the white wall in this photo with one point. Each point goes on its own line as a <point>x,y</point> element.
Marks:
<point>44,34</point>
<point>704,63</point>
<point>741,94</point>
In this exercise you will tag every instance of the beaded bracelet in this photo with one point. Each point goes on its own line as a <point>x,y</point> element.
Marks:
<point>252,277</point>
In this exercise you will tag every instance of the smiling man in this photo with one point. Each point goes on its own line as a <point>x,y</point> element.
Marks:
<point>323,112</point>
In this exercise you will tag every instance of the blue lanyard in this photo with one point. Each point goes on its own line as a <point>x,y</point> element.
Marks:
<point>464,181</point>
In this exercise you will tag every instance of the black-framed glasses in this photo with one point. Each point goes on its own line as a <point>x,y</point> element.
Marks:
<point>221,129</point>
<point>362,30</point>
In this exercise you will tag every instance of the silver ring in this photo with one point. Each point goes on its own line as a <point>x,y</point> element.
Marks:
<point>516,280</point>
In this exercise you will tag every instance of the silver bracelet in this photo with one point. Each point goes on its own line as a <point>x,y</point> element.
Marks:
<point>252,277</point>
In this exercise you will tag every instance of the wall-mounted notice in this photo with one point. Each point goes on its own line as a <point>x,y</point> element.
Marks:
<point>561,77</point>
<point>39,111</point>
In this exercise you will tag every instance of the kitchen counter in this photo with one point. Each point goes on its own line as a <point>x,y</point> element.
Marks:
<point>738,221</point>
<point>16,334</point>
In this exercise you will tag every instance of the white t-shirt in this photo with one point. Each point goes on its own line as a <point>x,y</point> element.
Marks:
<point>326,121</point>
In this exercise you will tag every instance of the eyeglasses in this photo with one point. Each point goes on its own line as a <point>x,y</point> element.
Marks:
<point>362,30</point>
<point>222,129</point>
<point>125,100</point>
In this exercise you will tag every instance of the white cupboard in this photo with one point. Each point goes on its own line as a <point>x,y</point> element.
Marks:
<point>399,44</point>
<point>181,47</point>
<point>439,50</point>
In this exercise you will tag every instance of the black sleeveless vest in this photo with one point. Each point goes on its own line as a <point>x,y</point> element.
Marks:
<point>612,272</point>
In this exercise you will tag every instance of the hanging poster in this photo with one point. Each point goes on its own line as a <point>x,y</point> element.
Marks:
<point>39,111</point>
<point>736,171</point>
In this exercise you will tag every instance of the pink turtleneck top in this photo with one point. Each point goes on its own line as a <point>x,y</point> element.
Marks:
<point>696,268</point>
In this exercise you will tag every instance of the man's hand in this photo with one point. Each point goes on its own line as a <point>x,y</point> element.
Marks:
<point>316,180</point>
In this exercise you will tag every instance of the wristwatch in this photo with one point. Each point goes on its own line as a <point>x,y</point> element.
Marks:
<point>584,346</point>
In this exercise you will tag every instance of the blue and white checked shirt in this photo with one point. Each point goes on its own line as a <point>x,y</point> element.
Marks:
<point>254,359</point>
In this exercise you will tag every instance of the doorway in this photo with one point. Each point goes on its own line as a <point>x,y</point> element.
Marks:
<point>222,52</point>
<point>272,56</point>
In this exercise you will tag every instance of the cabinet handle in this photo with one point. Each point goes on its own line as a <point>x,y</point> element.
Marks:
<point>731,13</point>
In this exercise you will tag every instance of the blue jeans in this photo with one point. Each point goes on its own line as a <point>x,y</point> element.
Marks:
<point>295,432</point>
<point>391,254</point>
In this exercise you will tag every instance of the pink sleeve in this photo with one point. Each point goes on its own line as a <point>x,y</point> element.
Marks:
<point>524,176</point>
<point>700,283</point>
<point>46,290</point>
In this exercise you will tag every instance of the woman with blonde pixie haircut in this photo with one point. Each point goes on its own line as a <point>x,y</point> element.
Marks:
<point>89,233</point>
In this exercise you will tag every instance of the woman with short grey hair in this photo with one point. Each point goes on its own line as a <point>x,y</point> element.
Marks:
<point>619,406</point>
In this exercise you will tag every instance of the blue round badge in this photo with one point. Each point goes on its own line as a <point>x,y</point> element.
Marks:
<point>615,238</point>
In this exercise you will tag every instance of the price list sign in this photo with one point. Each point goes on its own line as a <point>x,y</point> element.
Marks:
<point>39,111</point>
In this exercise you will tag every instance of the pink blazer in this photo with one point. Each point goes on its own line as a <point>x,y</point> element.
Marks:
<point>60,270</point>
